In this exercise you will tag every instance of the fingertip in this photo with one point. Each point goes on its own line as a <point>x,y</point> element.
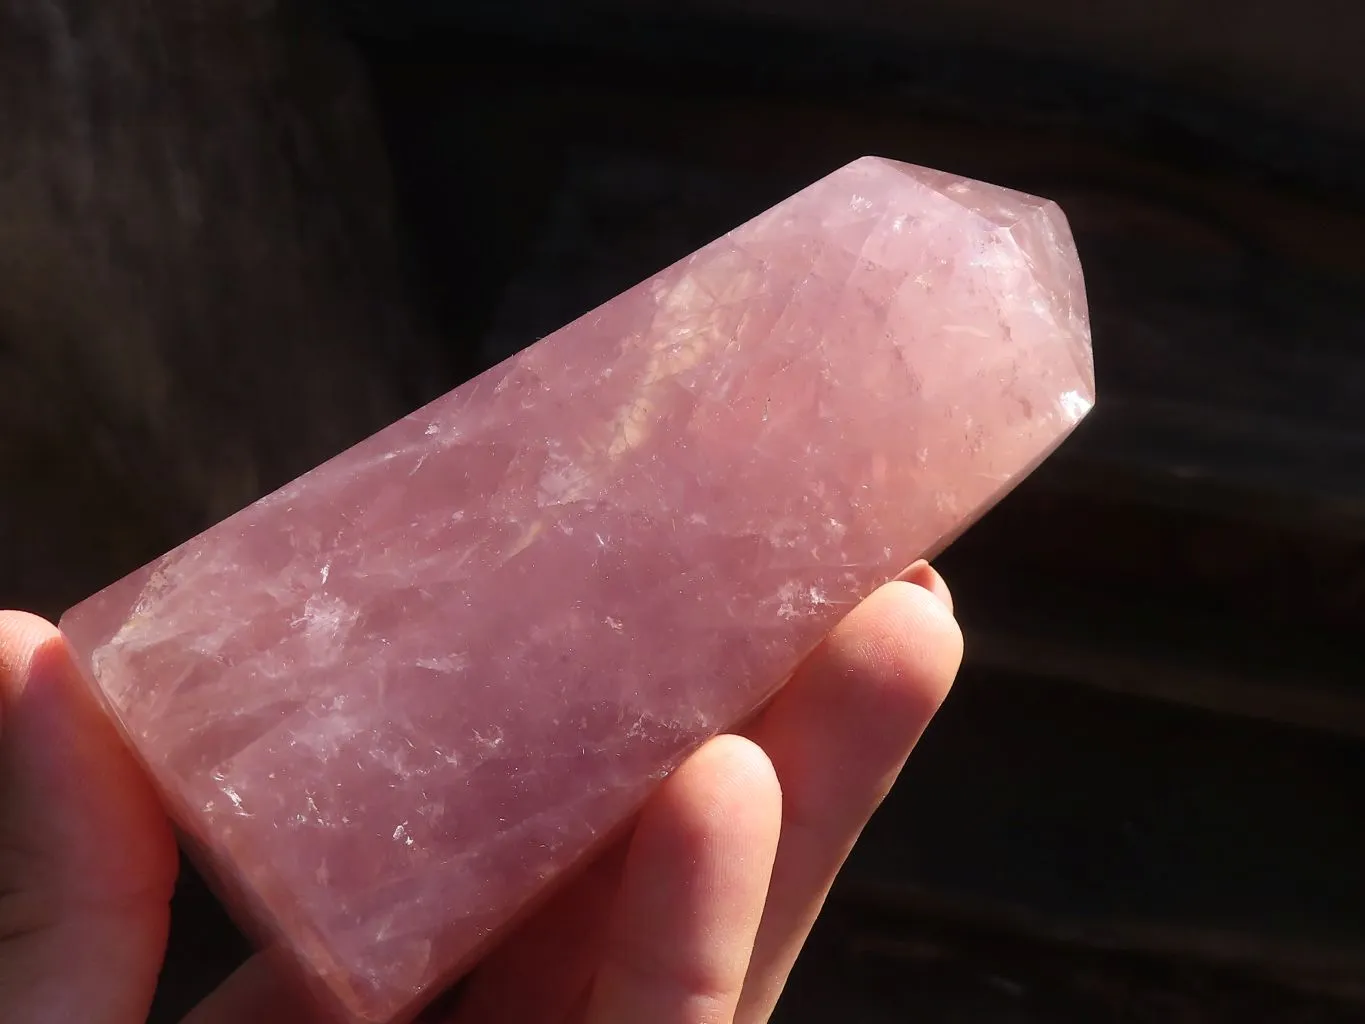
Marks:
<point>729,777</point>
<point>16,619</point>
<point>103,830</point>
<point>22,636</point>
<point>691,901</point>
<point>264,990</point>
<point>858,705</point>
<point>89,850</point>
<point>924,575</point>
<point>839,735</point>
<point>720,812</point>
<point>905,637</point>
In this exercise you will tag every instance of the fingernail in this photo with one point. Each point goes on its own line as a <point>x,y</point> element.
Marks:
<point>922,575</point>
<point>918,573</point>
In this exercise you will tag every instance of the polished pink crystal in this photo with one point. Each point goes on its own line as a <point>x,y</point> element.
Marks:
<point>395,701</point>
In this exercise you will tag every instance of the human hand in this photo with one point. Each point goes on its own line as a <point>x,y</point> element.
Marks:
<point>695,918</point>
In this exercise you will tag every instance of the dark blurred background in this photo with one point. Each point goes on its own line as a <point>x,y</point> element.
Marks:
<point>237,236</point>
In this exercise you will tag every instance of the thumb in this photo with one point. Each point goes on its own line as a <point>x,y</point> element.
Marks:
<point>87,859</point>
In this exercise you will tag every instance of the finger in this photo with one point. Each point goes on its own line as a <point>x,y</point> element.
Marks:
<point>837,736</point>
<point>264,990</point>
<point>922,574</point>
<point>561,945</point>
<point>87,860</point>
<point>692,896</point>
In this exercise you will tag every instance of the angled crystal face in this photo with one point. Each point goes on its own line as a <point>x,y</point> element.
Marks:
<point>393,702</point>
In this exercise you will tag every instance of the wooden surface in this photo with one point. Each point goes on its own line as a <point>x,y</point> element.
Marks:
<point>200,291</point>
<point>1220,49</point>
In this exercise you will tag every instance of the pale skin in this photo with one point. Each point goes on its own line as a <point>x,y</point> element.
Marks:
<point>695,918</point>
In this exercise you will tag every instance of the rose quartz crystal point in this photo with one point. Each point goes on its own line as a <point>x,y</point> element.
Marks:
<point>391,704</point>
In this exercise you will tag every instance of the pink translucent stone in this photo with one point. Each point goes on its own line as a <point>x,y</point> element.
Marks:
<point>392,703</point>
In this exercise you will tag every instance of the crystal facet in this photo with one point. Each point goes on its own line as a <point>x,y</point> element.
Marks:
<point>392,703</point>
